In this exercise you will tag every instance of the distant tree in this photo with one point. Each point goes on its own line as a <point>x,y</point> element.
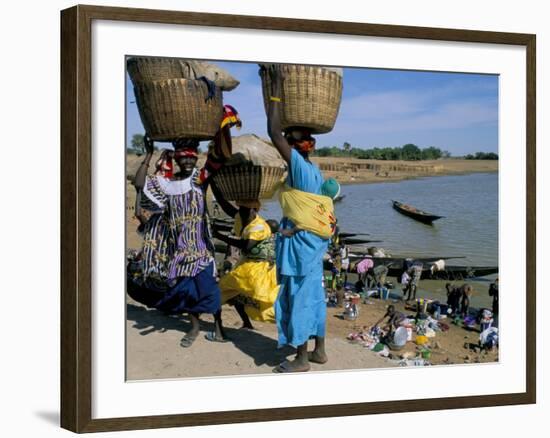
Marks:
<point>431,153</point>
<point>347,147</point>
<point>138,144</point>
<point>411,152</point>
<point>445,154</point>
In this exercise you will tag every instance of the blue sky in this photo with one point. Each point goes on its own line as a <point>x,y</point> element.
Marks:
<point>453,111</point>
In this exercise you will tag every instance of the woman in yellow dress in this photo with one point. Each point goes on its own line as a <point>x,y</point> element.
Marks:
<point>252,285</point>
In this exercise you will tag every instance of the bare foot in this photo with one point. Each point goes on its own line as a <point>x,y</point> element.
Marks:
<point>317,357</point>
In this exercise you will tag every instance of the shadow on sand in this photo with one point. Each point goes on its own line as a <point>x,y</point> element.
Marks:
<point>262,349</point>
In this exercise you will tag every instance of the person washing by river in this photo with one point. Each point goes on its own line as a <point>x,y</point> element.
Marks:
<point>493,292</point>
<point>453,299</point>
<point>300,308</point>
<point>394,320</point>
<point>466,292</point>
<point>415,272</point>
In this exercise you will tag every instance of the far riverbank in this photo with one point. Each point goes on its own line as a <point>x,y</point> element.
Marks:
<point>354,170</point>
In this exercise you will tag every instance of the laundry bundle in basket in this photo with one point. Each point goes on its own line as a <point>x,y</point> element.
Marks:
<point>175,97</point>
<point>255,170</point>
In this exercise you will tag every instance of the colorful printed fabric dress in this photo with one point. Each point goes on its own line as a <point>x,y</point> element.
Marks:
<point>300,308</point>
<point>254,281</point>
<point>175,269</point>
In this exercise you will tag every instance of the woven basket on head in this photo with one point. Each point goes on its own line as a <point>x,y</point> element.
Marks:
<point>177,108</point>
<point>248,182</point>
<point>310,97</point>
<point>145,69</point>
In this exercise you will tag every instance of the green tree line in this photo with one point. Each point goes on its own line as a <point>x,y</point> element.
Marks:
<point>408,152</point>
<point>482,156</point>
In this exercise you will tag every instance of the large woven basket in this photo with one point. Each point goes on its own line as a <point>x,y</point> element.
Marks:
<point>146,69</point>
<point>249,182</point>
<point>177,108</point>
<point>311,97</point>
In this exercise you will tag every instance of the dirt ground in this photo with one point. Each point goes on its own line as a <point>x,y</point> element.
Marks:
<point>153,349</point>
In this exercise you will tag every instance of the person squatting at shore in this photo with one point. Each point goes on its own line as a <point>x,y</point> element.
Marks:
<point>300,308</point>
<point>394,320</point>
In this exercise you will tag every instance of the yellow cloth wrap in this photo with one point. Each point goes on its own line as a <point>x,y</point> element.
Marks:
<point>253,282</point>
<point>308,211</point>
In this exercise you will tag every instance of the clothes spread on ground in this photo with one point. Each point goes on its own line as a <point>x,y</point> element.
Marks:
<point>253,282</point>
<point>300,308</point>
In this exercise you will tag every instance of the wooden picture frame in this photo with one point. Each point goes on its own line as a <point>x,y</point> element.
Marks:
<point>76,218</point>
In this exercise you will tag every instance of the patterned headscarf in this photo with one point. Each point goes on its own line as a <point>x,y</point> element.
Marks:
<point>230,117</point>
<point>186,152</point>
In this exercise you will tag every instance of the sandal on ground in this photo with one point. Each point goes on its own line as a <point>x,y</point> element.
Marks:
<point>285,367</point>
<point>187,341</point>
<point>211,336</point>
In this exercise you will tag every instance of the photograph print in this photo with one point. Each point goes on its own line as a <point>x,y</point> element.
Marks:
<point>285,218</point>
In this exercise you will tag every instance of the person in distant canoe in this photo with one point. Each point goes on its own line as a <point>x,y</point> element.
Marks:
<point>300,308</point>
<point>251,286</point>
<point>175,269</point>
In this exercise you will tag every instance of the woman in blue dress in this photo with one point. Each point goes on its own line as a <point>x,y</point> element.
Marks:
<point>300,308</point>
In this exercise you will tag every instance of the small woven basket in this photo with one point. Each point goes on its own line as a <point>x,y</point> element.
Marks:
<point>311,97</point>
<point>249,182</point>
<point>145,69</point>
<point>177,108</point>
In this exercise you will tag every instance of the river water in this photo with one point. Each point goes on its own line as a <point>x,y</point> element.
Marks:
<point>468,202</point>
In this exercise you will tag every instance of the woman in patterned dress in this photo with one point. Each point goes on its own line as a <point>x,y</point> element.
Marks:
<point>175,270</point>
